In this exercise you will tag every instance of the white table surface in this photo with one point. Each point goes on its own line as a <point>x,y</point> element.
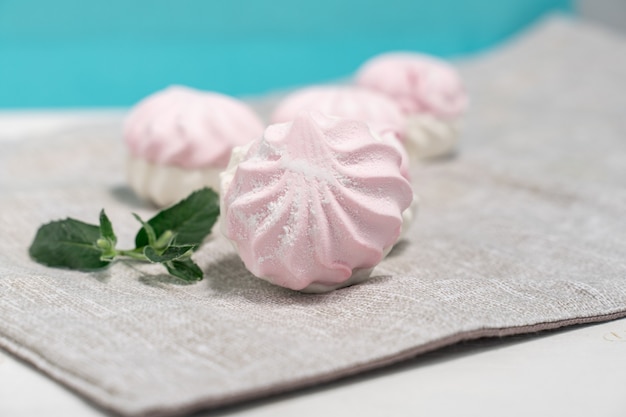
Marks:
<point>575,372</point>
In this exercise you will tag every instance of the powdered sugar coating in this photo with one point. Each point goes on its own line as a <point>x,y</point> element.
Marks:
<point>418,83</point>
<point>315,203</point>
<point>351,102</point>
<point>188,128</point>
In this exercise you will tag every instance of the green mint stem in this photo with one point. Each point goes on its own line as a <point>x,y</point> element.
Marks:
<point>165,240</point>
<point>132,253</point>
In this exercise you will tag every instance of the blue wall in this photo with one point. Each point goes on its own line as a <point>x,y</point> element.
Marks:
<point>69,53</point>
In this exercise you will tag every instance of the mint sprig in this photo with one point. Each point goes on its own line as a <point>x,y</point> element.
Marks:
<point>168,238</point>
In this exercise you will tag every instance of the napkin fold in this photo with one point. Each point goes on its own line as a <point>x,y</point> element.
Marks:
<point>523,230</point>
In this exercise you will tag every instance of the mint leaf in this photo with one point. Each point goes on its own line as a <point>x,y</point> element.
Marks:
<point>106,228</point>
<point>169,254</point>
<point>147,230</point>
<point>107,240</point>
<point>190,220</point>
<point>185,269</point>
<point>68,243</point>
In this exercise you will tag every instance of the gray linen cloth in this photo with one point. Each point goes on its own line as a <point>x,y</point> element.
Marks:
<point>523,230</point>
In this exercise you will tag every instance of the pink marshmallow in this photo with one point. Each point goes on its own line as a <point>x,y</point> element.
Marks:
<point>188,128</point>
<point>315,204</point>
<point>418,83</point>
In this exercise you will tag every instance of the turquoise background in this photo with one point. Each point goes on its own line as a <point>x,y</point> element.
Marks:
<point>75,53</point>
